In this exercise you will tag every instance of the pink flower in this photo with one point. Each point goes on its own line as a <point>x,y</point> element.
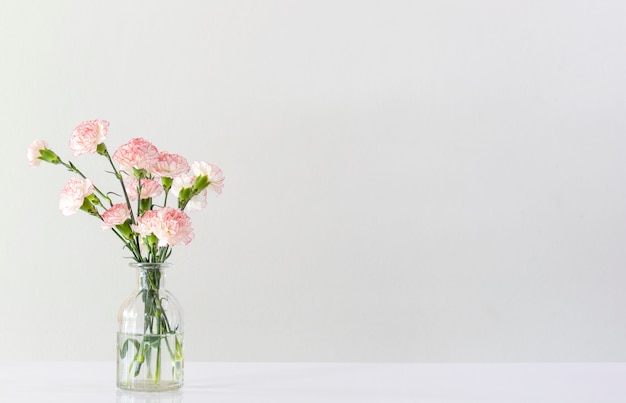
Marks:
<point>116,215</point>
<point>215,175</point>
<point>73,195</point>
<point>170,165</point>
<point>137,153</point>
<point>171,226</point>
<point>86,136</point>
<point>34,152</point>
<point>198,202</point>
<point>149,188</point>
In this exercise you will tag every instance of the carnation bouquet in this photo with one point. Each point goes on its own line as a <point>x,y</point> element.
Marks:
<point>147,228</point>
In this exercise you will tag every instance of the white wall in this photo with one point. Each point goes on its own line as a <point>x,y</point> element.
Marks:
<point>406,180</point>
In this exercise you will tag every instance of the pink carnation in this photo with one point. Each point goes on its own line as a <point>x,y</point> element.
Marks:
<point>171,226</point>
<point>215,175</point>
<point>86,136</point>
<point>73,195</point>
<point>116,215</point>
<point>34,152</point>
<point>149,188</point>
<point>170,165</point>
<point>137,153</point>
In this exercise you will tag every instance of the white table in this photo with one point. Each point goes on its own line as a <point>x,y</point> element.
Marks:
<point>92,382</point>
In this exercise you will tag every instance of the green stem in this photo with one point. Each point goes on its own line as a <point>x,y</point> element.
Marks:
<point>139,197</point>
<point>119,177</point>
<point>157,372</point>
<point>70,166</point>
<point>136,248</point>
<point>128,245</point>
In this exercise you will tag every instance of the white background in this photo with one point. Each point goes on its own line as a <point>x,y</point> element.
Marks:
<point>405,180</point>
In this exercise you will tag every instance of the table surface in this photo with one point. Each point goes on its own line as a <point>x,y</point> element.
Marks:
<point>91,382</point>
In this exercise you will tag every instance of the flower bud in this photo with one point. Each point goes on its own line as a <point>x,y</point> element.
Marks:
<point>101,149</point>
<point>140,173</point>
<point>125,229</point>
<point>89,207</point>
<point>200,184</point>
<point>167,183</point>
<point>183,197</point>
<point>145,204</point>
<point>151,240</point>
<point>49,156</point>
<point>94,200</point>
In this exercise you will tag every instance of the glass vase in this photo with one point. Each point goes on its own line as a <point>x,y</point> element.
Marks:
<point>150,334</point>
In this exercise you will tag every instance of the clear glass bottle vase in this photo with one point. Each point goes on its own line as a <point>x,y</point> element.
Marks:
<point>150,334</point>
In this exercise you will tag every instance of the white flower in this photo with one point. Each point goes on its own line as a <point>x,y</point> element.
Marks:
<point>198,202</point>
<point>34,152</point>
<point>212,172</point>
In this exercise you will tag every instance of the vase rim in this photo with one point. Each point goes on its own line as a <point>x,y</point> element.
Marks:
<point>150,266</point>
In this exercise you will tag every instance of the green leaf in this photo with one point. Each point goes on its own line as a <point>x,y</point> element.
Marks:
<point>179,349</point>
<point>124,349</point>
<point>137,368</point>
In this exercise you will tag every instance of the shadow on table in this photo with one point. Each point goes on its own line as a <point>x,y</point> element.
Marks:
<point>124,396</point>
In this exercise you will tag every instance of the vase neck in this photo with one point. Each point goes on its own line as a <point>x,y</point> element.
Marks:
<point>151,276</point>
